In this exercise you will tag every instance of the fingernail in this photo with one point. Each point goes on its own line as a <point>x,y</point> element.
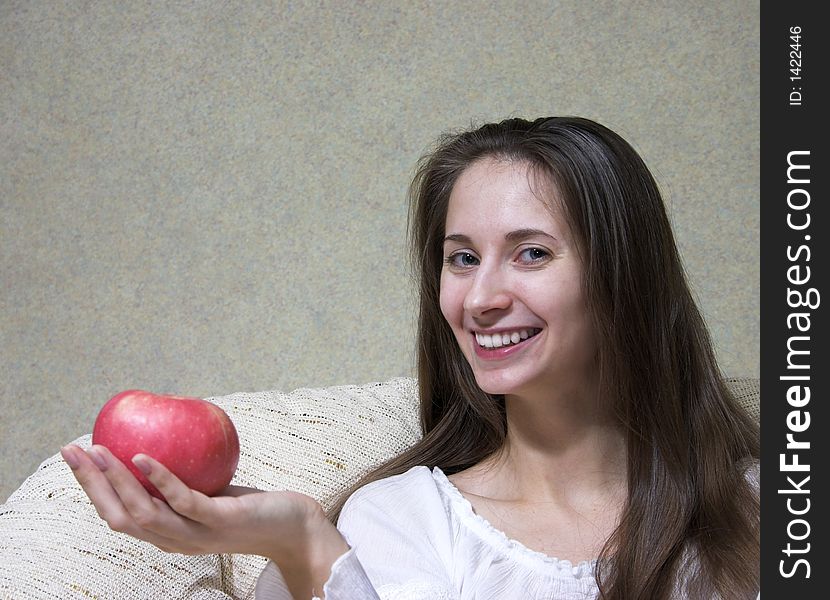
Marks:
<point>98,458</point>
<point>142,463</point>
<point>69,457</point>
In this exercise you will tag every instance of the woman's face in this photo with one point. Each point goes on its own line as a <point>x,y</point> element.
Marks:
<point>511,285</point>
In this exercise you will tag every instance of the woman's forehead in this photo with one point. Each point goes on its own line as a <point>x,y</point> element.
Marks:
<point>503,194</point>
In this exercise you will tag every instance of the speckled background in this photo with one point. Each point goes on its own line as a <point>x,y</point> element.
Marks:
<point>209,197</point>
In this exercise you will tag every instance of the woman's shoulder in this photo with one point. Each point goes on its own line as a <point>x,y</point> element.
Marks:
<point>407,507</point>
<point>415,478</point>
<point>412,491</point>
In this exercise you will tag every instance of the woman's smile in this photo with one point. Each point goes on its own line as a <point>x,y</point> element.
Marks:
<point>502,344</point>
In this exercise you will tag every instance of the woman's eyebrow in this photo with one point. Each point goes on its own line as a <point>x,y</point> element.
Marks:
<point>513,236</point>
<point>458,237</point>
<point>522,234</point>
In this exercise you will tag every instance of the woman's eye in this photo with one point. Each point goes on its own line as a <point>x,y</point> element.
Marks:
<point>533,255</point>
<point>461,260</point>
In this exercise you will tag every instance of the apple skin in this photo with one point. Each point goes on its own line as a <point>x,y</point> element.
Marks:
<point>192,437</point>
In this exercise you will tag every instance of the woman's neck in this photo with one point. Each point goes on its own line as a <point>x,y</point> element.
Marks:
<point>565,449</point>
<point>559,483</point>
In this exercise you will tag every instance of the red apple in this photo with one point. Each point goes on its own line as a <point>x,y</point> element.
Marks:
<point>192,437</point>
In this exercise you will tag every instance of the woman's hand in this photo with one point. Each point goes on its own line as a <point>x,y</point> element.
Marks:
<point>287,527</point>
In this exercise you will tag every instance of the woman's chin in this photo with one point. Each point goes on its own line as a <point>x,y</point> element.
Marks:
<point>495,386</point>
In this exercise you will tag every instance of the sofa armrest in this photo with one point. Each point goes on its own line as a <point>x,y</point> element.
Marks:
<point>54,545</point>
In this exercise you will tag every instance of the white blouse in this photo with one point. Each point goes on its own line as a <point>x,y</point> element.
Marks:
<point>415,537</point>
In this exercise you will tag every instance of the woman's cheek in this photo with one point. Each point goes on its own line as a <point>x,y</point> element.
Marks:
<point>447,300</point>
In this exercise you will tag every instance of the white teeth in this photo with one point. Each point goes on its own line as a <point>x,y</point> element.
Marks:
<point>504,339</point>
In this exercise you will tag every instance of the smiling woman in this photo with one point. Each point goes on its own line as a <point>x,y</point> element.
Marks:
<point>569,391</point>
<point>578,438</point>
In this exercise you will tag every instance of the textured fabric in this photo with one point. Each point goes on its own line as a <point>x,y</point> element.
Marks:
<point>747,392</point>
<point>415,537</point>
<point>435,546</point>
<point>312,440</point>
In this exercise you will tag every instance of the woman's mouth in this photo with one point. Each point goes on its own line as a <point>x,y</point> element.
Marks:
<point>503,343</point>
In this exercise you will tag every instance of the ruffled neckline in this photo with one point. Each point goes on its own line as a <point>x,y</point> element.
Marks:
<point>495,537</point>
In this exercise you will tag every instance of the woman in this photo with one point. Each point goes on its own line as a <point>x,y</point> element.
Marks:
<point>579,440</point>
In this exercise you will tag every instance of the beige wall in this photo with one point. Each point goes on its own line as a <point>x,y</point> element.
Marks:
<point>205,198</point>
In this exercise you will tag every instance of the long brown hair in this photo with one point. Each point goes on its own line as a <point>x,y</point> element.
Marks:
<point>692,517</point>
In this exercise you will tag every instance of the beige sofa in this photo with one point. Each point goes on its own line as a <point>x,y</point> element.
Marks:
<point>312,440</point>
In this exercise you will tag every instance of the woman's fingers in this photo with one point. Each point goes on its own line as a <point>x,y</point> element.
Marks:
<point>186,502</point>
<point>147,512</point>
<point>95,484</point>
<point>121,500</point>
<point>90,470</point>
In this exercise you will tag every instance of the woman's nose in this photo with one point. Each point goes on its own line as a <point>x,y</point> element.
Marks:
<point>489,291</point>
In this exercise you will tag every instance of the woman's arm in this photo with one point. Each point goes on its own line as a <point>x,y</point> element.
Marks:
<point>402,545</point>
<point>286,527</point>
